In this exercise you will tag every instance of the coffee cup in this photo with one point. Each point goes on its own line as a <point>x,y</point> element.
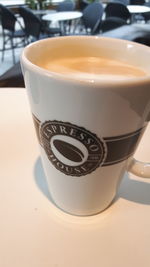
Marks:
<point>90,102</point>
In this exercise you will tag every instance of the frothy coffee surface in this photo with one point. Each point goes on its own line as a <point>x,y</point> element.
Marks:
<point>93,68</point>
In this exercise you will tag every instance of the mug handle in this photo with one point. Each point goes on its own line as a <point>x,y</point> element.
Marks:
<point>141,169</point>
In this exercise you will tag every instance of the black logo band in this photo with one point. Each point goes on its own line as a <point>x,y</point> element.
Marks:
<point>76,151</point>
<point>122,147</point>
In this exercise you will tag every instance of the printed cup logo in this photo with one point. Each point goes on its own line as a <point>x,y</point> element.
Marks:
<point>71,149</point>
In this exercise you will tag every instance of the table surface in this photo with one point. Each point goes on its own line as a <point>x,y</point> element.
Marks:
<point>138,9</point>
<point>62,16</point>
<point>35,233</point>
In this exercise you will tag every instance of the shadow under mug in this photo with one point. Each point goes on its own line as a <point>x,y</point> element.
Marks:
<point>88,130</point>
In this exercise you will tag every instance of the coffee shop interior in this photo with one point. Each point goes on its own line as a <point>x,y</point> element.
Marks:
<point>25,21</point>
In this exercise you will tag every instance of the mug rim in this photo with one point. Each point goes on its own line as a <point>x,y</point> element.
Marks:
<point>68,78</point>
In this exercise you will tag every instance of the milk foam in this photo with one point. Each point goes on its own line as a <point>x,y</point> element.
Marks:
<point>93,68</point>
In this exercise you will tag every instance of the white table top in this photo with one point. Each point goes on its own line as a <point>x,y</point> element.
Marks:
<point>138,9</point>
<point>35,233</point>
<point>20,2</point>
<point>12,2</point>
<point>62,16</point>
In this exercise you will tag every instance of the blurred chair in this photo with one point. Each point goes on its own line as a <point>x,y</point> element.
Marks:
<point>137,2</point>
<point>66,6</point>
<point>83,4</point>
<point>146,16</point>
<point>143,40</point>
<point>12,77</point>
<point>34,28</point>
<point>111,23</point>
<point>114,9</point>
<point>92,16</point>
<point>12,37</point>
<point>124,2</point>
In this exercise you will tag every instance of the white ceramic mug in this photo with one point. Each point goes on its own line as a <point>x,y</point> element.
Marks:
<point>88,130</point>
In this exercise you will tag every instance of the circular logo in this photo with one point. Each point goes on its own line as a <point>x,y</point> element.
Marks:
<point>73,150</point>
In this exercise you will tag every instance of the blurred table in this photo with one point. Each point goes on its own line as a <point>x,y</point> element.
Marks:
<point>42,12</point>
<point>62,17</point>
<point>13,2</point>
<point>35,233</point>
<point>137,9</point>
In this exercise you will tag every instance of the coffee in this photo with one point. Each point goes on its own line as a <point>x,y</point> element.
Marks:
<point>93,68</point>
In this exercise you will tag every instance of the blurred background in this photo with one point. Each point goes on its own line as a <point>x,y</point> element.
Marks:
<point>25,21</point>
